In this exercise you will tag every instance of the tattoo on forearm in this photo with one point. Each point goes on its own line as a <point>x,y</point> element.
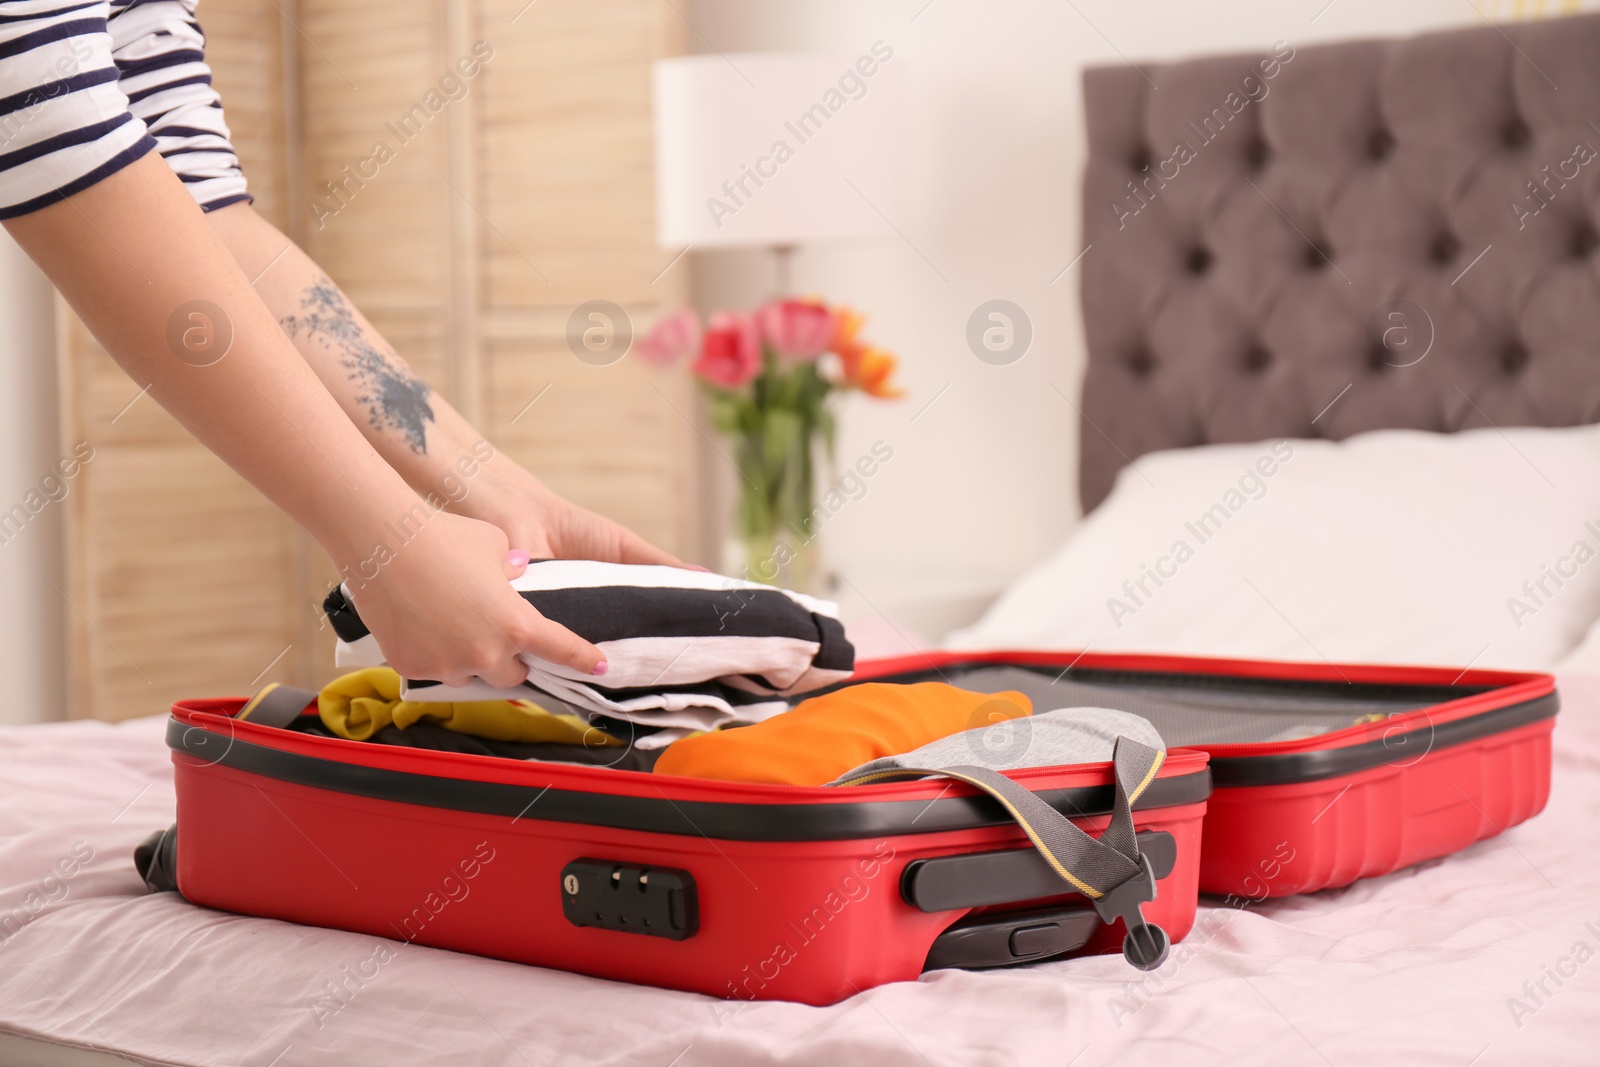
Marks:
<point>394,399</point>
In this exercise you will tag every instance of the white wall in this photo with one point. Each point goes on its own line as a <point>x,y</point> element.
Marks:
<point>32,659</point>
<point>983,484</point>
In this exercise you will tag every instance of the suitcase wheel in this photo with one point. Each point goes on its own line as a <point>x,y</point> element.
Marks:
<point>156,859</point>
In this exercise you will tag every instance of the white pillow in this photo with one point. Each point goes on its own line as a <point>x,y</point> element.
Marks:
<point>1396,546</point>
<point>1585,659</point>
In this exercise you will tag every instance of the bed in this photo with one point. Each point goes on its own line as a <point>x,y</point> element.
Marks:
<point>1431,965</point>
<point>1245,301</point>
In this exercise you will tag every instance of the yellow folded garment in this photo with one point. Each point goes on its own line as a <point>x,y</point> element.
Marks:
<point>358,705</point>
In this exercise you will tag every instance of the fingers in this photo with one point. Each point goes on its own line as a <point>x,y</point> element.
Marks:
<point>537,541</point>
<point>555,643</point>
<point>516,563</point>
<point>635,549</point>
<point>510,672</point>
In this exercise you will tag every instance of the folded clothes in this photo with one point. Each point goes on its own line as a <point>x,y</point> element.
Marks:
<point>825,736</point>
<point>359,705</point>
<point>1048,739</point>
<point>366,706</point>
<point>686,650</point>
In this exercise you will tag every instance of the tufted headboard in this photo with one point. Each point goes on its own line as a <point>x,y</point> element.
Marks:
<point>1317,241</point>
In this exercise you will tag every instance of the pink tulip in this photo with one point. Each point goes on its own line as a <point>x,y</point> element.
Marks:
<point>671,338</point>
<point>796,329</point>
<point>730,355</point>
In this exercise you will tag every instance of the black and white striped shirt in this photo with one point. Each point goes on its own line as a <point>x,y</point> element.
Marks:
<point>686,650</point>
<point>87,88</point>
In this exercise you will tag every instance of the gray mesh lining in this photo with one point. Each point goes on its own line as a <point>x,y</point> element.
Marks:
<point>1191,716</point>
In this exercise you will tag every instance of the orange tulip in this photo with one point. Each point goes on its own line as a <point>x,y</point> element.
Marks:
<point>873,370</point>
<point>844,340</point>
<point>862,366</point>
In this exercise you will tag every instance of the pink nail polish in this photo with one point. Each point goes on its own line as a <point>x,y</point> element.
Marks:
<point>601,667</point>
<point>517,558</point>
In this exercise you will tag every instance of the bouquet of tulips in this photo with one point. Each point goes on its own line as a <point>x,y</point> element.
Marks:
<point>770,374</point>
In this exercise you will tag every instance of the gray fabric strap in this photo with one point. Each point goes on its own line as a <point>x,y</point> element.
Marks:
<point>1134,766</point>
<point>1092,866</point>
<point>1108,869</point>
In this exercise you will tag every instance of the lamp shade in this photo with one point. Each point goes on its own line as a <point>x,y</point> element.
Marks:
<point>770,149</point>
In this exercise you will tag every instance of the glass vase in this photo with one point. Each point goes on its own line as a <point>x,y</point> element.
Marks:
<point>777,500</point>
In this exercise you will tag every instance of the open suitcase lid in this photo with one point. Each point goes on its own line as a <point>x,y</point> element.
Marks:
<point>1262,722</point>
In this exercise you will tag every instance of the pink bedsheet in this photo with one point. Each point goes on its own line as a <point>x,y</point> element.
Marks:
<point>1488,957</point>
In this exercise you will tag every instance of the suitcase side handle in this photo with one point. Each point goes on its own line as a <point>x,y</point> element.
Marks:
<point>1108,869</point>
<point>1012,938</point>
<point>1006,876</point>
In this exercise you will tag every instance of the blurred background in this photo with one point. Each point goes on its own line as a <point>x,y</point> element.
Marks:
<point>530,190</point>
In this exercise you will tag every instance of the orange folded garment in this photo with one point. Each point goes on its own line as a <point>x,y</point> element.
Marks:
<point>822,738</point>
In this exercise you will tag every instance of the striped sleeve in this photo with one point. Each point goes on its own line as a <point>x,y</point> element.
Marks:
<point>159,49</point>
<point>64,120</point>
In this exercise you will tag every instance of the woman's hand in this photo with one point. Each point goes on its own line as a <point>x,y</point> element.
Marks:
<point>546,526</point>
<point>440,455</point>
<point>442,608</point>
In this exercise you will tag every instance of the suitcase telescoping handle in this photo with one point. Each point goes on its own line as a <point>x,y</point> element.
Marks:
<point>1109,870</point>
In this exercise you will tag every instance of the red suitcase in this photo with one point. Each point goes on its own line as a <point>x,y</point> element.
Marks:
<point>730,889</point>
<point>813,894</point>
<point>1442,758</point>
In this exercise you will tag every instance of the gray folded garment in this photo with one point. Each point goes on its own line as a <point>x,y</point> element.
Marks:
<point>1047,739</point>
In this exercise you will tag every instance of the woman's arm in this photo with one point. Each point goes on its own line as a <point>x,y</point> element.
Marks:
<point>135,257</point>
<point>412,426</point>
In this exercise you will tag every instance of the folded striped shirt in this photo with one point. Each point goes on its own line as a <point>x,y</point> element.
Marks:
<point>685,650</point>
